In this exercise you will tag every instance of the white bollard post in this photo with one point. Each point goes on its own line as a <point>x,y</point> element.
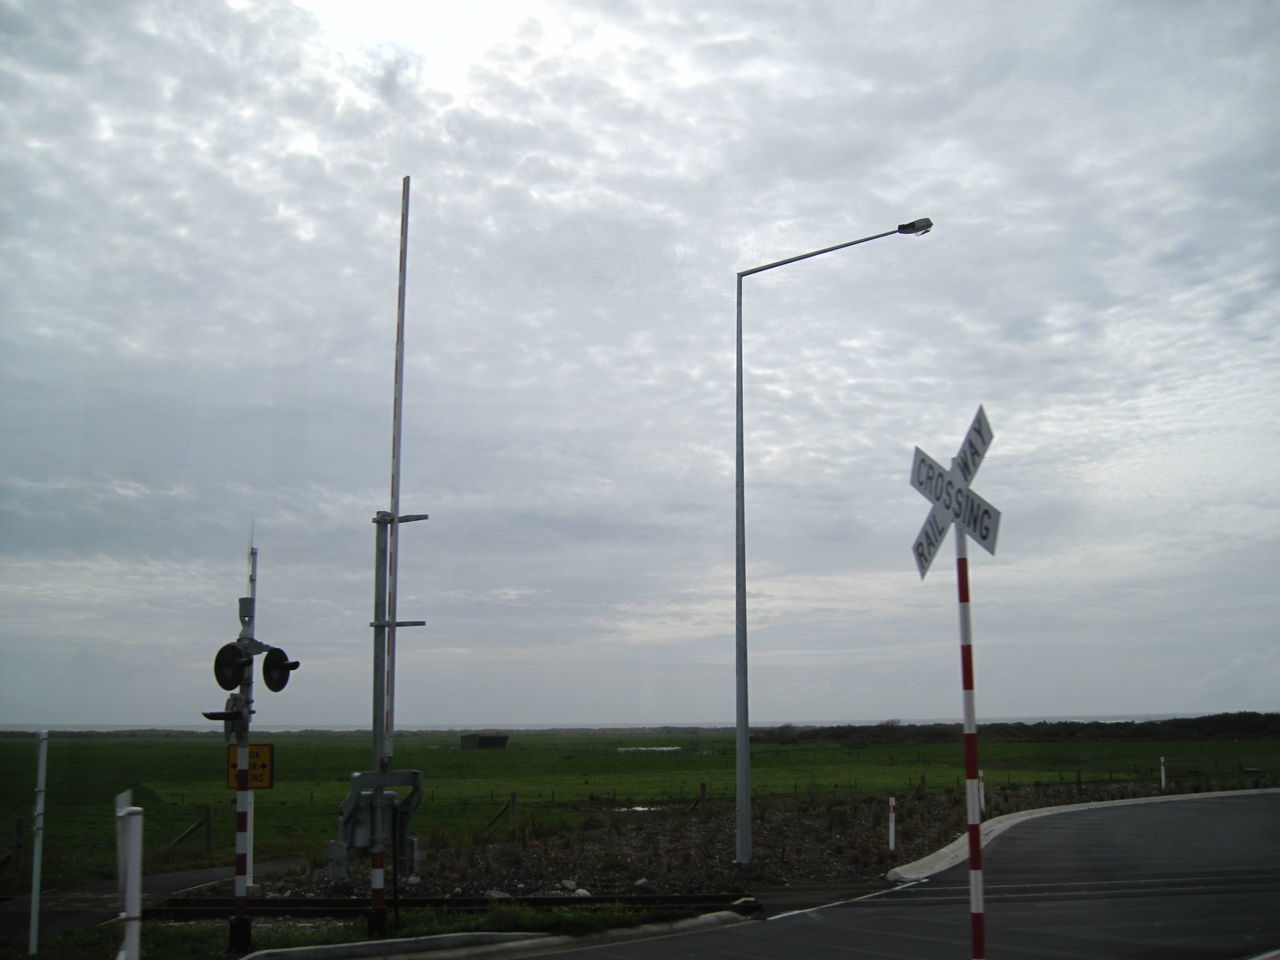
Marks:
<point>129,849</point>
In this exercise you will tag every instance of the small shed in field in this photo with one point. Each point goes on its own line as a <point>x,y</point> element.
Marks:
<point>484,741</point>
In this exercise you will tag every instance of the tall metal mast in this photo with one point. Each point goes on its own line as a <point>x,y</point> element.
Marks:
<point>373,815</point>
<point>393,539</point>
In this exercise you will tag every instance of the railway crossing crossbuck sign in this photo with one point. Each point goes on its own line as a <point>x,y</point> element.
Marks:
<point>953,499</point>
<point>954,502</point>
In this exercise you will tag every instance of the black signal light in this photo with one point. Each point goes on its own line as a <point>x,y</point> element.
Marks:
<point>228,666</point>
<point>276,667</point>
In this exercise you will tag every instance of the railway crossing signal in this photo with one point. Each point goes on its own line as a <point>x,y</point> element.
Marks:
<point>233,670</point>
<point>954,501</point>
<point>232,666</point>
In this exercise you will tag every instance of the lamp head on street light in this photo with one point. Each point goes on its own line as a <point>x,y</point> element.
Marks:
<point>918,227</point>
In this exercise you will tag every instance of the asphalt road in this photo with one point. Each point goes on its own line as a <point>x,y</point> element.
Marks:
<point>1184,879</point>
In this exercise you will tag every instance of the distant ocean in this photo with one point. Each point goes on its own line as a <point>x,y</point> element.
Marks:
<point>210,727</point>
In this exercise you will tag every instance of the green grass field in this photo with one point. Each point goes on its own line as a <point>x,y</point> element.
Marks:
<point>559,779</point>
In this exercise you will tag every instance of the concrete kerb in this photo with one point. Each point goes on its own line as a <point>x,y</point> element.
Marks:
<point>958,850</point>
<point>482,946</point>
<point>442,945</point>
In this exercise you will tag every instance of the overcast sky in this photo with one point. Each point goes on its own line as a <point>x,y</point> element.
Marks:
<point>199,222</point>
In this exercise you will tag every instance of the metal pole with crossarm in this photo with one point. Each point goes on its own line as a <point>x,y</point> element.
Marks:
<point>382,816</point>
<point>743,740</point>
<point>374,815</point>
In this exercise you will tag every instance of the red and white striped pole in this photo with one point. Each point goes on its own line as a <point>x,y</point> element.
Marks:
<point>241,929</point>
<point>973,800</point>
<point>241,936</point>
<point>247,690</point>
<point>377,890</point>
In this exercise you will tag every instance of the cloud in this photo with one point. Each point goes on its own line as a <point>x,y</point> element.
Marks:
<point>198,263</point>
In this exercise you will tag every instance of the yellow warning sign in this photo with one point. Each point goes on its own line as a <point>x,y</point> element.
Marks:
<point>261,766</point>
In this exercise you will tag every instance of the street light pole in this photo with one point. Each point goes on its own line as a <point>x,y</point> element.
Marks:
<point>743,739</point>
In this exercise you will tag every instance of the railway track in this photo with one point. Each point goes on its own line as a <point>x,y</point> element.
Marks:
<point>204,908</point>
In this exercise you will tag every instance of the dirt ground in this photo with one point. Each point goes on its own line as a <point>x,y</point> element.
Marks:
<point>827,840</point>
<point>816,846</point>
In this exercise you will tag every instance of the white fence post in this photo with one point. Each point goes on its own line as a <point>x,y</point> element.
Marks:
<point>129,856</point>
<point>37,855</point>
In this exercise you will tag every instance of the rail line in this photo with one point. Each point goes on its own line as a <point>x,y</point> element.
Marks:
<point>203,908</point>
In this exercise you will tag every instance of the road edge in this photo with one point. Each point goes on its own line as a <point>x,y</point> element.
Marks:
<point>958,850</point>
<point>473,946</point>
